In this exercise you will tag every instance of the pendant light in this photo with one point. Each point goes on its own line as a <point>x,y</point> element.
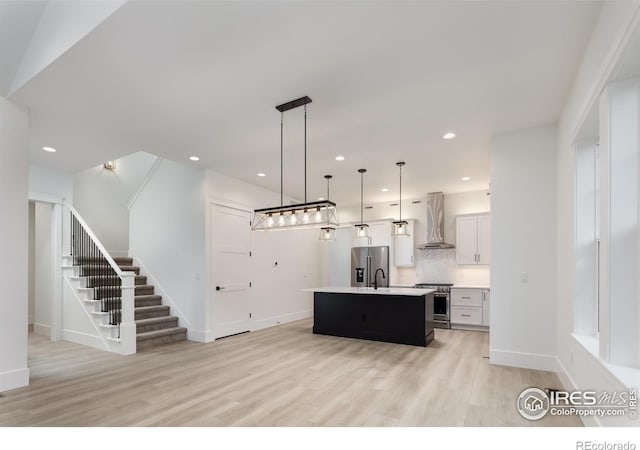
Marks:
<point>362,229</point>
<point>400,227</point>
<point>303,215</point>
<point>328,233</point>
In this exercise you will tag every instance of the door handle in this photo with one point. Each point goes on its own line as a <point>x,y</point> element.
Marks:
<point>466,315</point>
<point>219,288</point>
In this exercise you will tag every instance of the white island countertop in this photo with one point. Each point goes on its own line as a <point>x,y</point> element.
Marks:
<point>369,290</point>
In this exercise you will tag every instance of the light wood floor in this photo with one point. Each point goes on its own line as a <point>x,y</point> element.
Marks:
<point>282,376</point>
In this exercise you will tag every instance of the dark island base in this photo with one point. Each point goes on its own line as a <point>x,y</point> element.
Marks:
<point>386,318</point>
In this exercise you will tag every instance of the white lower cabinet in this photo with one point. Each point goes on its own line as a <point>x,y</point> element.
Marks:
<point>469,307</point>
<point>466,315</point>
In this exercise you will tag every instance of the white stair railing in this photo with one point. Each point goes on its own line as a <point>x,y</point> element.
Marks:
<point>110,290</point>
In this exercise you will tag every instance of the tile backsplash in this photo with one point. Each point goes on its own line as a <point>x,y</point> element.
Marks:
<point>439,265</point>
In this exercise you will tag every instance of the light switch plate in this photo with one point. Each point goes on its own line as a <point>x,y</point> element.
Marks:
<point>524,277</point>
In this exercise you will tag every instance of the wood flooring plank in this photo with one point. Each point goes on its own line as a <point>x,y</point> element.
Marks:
<point>281,376</point>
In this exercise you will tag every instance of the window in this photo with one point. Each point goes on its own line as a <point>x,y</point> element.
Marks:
<point>607,302</point>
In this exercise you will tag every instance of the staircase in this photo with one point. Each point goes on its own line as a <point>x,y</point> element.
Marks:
<point>154,325</point>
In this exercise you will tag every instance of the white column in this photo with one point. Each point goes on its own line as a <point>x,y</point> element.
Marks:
<point>14,125</point>
<point>620,223</point>
<point>127,324</point>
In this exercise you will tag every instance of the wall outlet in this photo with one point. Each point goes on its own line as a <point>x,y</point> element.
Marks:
<point>524,277</point>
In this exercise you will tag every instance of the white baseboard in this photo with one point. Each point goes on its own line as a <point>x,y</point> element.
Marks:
<point>200,335</point>
<point>42,330</point>
<point>83,339</point>
<point>569,385</point>
<point>209,335</point>
<point>14,379</point>
<point>455,326</point>
<point>523,360</point>
<point>278,320</point>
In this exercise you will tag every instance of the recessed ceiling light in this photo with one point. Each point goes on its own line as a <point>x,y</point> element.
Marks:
<point>194,158</point>
<point>385,189</point>
<point>339,158</point>
<point>448,135</point>
<point>49,149</point>
<point>321,198</point>
<point>262,174</point>
<point>465,178</point>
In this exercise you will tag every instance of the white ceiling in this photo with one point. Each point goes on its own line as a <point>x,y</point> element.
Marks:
<point>387,79</point>
<point>18,21</point>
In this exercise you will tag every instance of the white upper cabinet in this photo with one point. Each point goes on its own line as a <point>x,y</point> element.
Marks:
<point>403,248</point>
<point>379,234</point>
<point>473,233</point>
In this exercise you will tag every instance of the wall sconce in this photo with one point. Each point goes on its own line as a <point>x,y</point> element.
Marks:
<point>110,165</point>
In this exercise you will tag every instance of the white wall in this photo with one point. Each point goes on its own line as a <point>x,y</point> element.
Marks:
<point>276,295</point>
<point>102,198</point>
<point>52,185</point>
<point>14,126</point>
<point>167,235</point>
<point>231,190</point>
<point>578,368</point>
<point>523,241</point>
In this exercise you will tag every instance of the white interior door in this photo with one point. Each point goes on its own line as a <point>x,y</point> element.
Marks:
<point>231,240</point>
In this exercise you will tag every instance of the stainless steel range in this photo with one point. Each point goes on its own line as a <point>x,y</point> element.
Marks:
<point>441,300</point>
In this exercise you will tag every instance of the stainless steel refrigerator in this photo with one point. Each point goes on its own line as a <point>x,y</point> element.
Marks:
<point>365,261</point>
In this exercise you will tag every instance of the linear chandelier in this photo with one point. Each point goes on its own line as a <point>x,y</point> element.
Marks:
<point>316,214</point>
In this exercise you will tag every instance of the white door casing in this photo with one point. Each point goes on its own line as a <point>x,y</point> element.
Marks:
<point>231,253</point>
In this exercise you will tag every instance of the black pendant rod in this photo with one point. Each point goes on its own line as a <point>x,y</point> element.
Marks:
<point>305,153</point>
<point>281,159</point>
<point>328,177</point>
<point>362,171</point>
<point>400,164</point>
<point>286,107</point>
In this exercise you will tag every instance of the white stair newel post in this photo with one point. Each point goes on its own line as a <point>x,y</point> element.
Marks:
<point>128,325</point>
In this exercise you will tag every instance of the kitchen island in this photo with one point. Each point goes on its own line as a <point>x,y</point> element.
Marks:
<point>399,315</point>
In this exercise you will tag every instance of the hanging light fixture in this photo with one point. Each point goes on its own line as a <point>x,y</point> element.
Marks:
<point>328,233</point>
<point>304,215</point>
<point>400,227</point>
<point>362,229</point>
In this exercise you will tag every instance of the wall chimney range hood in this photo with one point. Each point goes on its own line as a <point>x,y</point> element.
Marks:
<point>435,223</point>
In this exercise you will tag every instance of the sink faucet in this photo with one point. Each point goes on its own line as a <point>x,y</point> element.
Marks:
<point>375,277</point>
